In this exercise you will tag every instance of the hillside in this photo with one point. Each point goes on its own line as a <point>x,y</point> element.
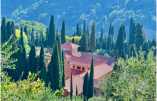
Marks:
<point>102,12</point>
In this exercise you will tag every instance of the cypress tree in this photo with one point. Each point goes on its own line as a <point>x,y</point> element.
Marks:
<point>76,90</point>
<point>119,44</point>
<point>21,38</point>
<point>25,30</point>
<point>145,47</point>
<point>37,39</point>
<point>73,40</point>
<point>139,38</point>
<point>8,30</point>
<point>71,87</point>
<point>80,31</point>
<point>83,43</point>
<point>109,42</point>
<point>51,35</point>
<point>104,43</point>
<point>46,41</point>
<point>74,33</point>
<point>101,37</point>
<point>43,75</point>
<point>32,37</point>
<point>153,43</point>
<point>123,55</point>
<point>117,56</point>
<point>85,86</point>
<point>124,30</point>
<point>3,31</point>
<point>132,32</point>
<point>110,29</point>
<point>132,50</point>
<point>42,62</point>
<point>63,40</point>
<point>87,31</point>
<point>98,44</point>
<point>13,29</point>
<point>54,69</point>
<point>32,60</point>
<point>63,74</point>
<point>14,46</point>
<point>77,29</point>
<point>116,67</point>
<point>92,43</point>
<point>112,32</point>
<point>58,39</point>
<point>84,27</point>
<point>91,81</point>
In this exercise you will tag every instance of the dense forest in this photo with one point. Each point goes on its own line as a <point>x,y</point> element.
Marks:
<point>25,75</point>
<point>73,12</point>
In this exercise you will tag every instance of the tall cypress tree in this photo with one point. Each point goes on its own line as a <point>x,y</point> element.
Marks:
<point>92,43</point>
<point>124,30</point>
<point>123,55</point>
<point>87,31</point>
<point>109,42</point>
<point>8,30</point>
<point>63,74</point>
<point>117,56</point>
<point>76,90</point>
<point>3,31</point>
<point>84,27</point>
<point>25,30</point>
<point>37,39</point>
<point>112,32</point>
<point>21,38</point>
<point>54,69</point>
<point>145,47</point>
<point>110,29</point>
<point>98,44</point>
<point>132,51</point>
<point>77,29</point>
<point>119,45</point>
<point>101,37</point>
<point>85,86</point>
<point>73,40</point>
<point>80,31</point>
<point>13,29</point>
<point>104,44</point>
<point>91,81</point>
<point>132,32</point>
<point>63,40</point>
<point>32,60</point>
<point>139,38</point>
<point>51,35</point>
<point>58,39</point>
<point>71,87</point>
<point>153,43</point>
<point>47,35</point>
<point>83,43</point>
<point>32,37</point>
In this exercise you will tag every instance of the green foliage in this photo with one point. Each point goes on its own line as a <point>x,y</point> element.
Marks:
<point>132,32</point>
<point>85,86</point>
<point>71,86</point>
<point>83,43</point>
<point>98,44</point>
<point>84,27</point>
<point>32,60</point>
<point>63,74</point>
<point>3,30</point>
<point>76,38</point>
<point>104,44</point>
<point>73,40</point>
<point>101,37</point>
<point>92,43</point>
<point>109,42</point>
<point>76,90</point>
<point>47,55</point>
<point>135,80</point>
<point>63,39</point>
<point>8,30</point>
<point>123,55</point>
<point>116,56</point>
<point>132,51</point>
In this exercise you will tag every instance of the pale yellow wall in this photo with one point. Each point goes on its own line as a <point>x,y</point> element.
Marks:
<point>85,68</point>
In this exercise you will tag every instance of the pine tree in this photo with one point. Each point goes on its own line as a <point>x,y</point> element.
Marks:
<point>83,43</point>
<point>124,30</point>
<point>63,40</point>
<point>71,87</point>
<point>101,37</point>
<point>84,27</point>
<point>92,43</point>
<point>119,44</point>
<point>91,81</point>
<point>3,31</point>
<point>54,69</point>
<point>116,56</point>
<point>76,90</point>
<point>139,38</point>
<point>32,60</point>
<point>73,40</point>
<point>77,29</point>
<point>123,55</point>
<point>63,74</point>
<point>85,86</point>
<point>21,38</point>
<point>51,35</point>
<point>8,30</point>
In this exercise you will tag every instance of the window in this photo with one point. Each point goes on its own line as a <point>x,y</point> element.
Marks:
<point>82,68</point>
<point>73,66</point>
<point>94,91</point>
<point>78,67</point>
<point>88,68</point>
<point>74,50</point>
<point>68,62</point>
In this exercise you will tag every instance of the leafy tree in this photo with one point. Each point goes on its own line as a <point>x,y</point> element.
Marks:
<point>3,31</point>
<point>54,69</point>
<point>101,37</point>
<point>21,38</point>
<point>83,44</point>
<point>63,74</point>
<point>32,60</point>
<point>85,86</point>
<point>51,35</point>
<point>92,43</point>
<point>119,45</point>
<point>91,81</point>
<point>71,86</point>
<point>139,38</point>
<point>63,40</point>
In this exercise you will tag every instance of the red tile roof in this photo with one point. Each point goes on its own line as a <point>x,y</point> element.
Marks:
<point>99,71</point>
<point>69,45</point>
<point>76,71</point>
<point>83,62</point>
<point>77,80</point>
<point>67,54</point>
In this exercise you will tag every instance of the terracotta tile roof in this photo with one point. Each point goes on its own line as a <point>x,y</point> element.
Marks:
<point>69,45</point>
<point>77,80</point>
<point>67,54</point>
<point>83,62</point>
<point>76,71</point>
<point>109,60</point>
<point>99,71</point>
